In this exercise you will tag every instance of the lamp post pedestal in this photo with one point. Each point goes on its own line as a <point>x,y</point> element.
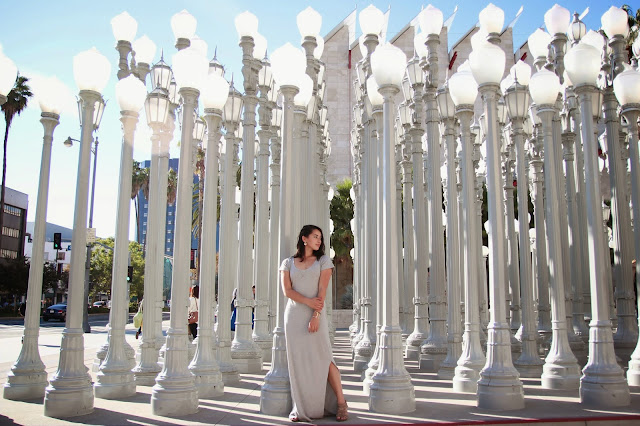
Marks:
<point>28,378</point>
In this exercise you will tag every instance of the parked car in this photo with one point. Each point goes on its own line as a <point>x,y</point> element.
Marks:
<point>99,304</point>
<point>58,312</point>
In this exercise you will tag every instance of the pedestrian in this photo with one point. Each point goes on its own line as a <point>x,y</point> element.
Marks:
<point>304,279</point>
<point>137,319</point>
<point>193,311</point>
<point>233,309</point>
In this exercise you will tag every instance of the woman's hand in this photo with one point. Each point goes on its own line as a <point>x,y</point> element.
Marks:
<point>315,303</point>
<point>314,323</point>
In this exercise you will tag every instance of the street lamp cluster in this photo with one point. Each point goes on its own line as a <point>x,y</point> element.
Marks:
<point>526,123</point>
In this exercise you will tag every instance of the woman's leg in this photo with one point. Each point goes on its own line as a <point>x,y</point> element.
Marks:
<point>336,384</point>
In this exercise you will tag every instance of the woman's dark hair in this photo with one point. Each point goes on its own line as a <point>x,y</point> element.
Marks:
<point>305,232</point>
<point>195,292</point>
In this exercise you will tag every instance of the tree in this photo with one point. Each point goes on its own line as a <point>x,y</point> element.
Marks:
<point>17,100</point>
<point>14,275</point>
<point>139,181</point>
<point>102,268</point>
<point>341,212</point>
<point>634,24</point>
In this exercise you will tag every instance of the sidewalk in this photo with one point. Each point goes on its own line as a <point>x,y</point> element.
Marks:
<point>435,401</point>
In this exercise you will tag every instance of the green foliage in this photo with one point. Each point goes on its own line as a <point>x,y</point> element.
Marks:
<point>341,212</point>
<point>14,275</point>
<point>102,267</point>
<point>346,301</point>
<point>634,23</point>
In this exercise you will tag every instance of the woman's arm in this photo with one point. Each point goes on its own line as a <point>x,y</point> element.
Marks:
<point>323,283</point>
<point>287,288</point>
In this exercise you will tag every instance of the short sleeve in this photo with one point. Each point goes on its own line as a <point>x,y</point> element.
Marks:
<point>285,265</point>
<point>325,263</point>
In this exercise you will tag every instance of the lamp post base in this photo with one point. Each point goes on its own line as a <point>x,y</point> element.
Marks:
<point>560,376</point>
<point>362,355</point>
<point>115,384</point>
<point>413,344</point>
<point>392,394</point>
<point>208,383</point>
<point>466,378</point>
<point>146,376</point>
<point>275,396</point>
<point>431,358</point>
<point>21,387</point>
<point>178,400</point>
<point>248,365</point>
<point>596,394</point>
<point>503,396</point>
<point>75,398</point>
<point>264,343</point>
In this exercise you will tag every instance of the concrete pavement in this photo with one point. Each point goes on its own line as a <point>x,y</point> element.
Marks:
<point>435,400</point>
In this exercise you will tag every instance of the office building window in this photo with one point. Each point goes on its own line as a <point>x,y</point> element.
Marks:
<point>10,232</point>
<point>168,240</point>
<point>145,214</point>
<point>146,205</point>
<point>12,210</point>
<point>169,231</point>
<point>9,254</point>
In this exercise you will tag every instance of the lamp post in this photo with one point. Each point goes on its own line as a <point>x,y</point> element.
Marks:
<point>499,386</point>
<point>204,366</point>
<point>245,353</point>
<point>274,211</point>
<point>602,382</point>
<point>70,392</point>
<point>28,378</point>
<point>183,25</point>
<point>464,91</point>
<point>115,379</point>
<point>174,392</point>
<point>434,348</point>
<point>626,86</point>
<point>228,232</point>
<point>288,64</point>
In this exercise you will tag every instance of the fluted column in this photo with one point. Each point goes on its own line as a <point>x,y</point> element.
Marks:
<point>409,265</point>
<point>274,213</point>
<point>70,391</point>
<point>515,319</point>
<point>28,378</point>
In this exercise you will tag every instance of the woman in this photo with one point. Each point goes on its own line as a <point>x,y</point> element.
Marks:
<point>305,277</point>
<point>193,308</point>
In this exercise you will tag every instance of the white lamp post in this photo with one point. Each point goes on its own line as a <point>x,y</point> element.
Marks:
<point>464,91</point>
<point>8,75</point>
<point>174,392</point>
<point>274,210</point>
<point>626,86</point>
<point>28,378</point>
<point>204,366</point>
<point>157,107</point>
<point>561,370</point>
<point>288,64</point>
<point>391,390</point>
<point>183,25</point>
<point>228,235</point>
<point>115,379</point>
<point>602,382</point>
<point>538,43</point>
<point>70,392</point>
<point>434,348</point>
<point>499,386</point>
<point>245,353</point>
<point>124,28</point>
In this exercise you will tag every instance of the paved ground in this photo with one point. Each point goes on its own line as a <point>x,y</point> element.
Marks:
<point>436,402</point>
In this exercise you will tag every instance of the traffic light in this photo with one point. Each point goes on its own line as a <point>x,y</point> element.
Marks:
<point>129,274</point>
<point>57,241</point>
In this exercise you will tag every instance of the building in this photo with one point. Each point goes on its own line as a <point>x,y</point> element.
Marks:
<point>14,224</point>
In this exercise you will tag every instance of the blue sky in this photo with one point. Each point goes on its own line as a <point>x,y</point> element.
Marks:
<point>42,37</point>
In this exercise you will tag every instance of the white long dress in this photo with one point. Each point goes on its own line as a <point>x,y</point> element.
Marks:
<point>308,354</point>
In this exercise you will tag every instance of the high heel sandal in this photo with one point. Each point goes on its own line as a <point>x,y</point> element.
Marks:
<point>342,414</point>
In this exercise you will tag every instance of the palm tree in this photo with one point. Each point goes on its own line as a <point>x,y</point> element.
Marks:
<point>17,100</point>
<point>139,181</point>
<point>634,23</point>
<point>172,186</point>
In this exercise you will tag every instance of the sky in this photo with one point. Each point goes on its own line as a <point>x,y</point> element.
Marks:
<point>42,37</point>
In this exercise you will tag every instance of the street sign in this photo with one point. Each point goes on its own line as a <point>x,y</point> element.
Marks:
<point>91,235</point>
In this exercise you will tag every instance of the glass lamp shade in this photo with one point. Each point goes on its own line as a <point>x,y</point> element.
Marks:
<point>502,112</point>
<point>305,84</point>
<point>288,64</point>
<point>145,49</point>
<point>309,22</point>
<point>430,20</point>
<point>233,106</point>
<point>557,19</point>
<point>265,75</point>
<point>478,38</point>
<point>445,104</point>
<point>273,94</point>
<point>374,96</point>
<point>407,93</point>
<point>50,94</point>
<point>190,67</point>
<point>8,74</point>
<point>463,87</point>
<point>596,104</point>
<point>157,106</point>
<point>161,75</point>
<point>567,80</point>
<point>533,115</point>
<point>371,20</point>
<point>414,71</point>
<point>419,45</point>
<point>527,127</point>
<point>544,87</point>
<point>491,19</point>
<point>173,91</point>
<point>317,52</point>
<point>124,27</point>
<point>246,24</point>
<point>91,70</point>
<point>183,25</point>
<point>199,129</point>
<point>582,64</point>
<point>521,72</point>
<point>594,39</point>
<point>131,93</point>
<point>276,117</point>
<point>506,83</point>
<point>388,64</point>
<point>539,43</point>
<point>215,92</point>
<point>517,100</point>
<point>260,46</point>
<point>615,22</point>
<point>405,114</point>
<point>626,86</point>
<point>215,67</point>
<point>577,29</point>
<point>200,45</point>
<point>487,63</point>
